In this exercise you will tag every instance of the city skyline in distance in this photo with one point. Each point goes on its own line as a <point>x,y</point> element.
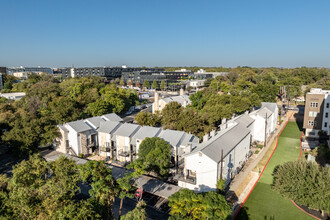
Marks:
<point>171,33</point>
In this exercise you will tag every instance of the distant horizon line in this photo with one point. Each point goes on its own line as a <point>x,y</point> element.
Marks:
<point>88,66</point>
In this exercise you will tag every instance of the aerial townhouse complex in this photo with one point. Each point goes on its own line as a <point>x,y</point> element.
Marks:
<point>223,152</point>
<point>317,112</point>
<point>198,164</point>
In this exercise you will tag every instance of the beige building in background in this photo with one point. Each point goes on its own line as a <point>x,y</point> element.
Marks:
<point>317,112</point>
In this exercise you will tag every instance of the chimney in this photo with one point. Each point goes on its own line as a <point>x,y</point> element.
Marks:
<point>156,102</point>
<point>181,92</point>
<point>206,137</point>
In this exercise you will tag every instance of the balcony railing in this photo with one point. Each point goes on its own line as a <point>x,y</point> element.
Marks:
<point>123,153</point>
<point>105,149</point>
<point>187,179</point>
<point>92,144</point>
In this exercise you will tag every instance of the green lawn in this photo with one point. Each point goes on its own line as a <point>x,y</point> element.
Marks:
<point>265,203</point>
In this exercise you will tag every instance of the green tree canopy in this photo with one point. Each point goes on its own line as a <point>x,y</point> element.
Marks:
<point>155,85</point>
<point>171,114</point>
<point>304,182</point>
<point>155,155</point>
<point>146,84</point>
<point>43,190</point>
<point>186,204</point>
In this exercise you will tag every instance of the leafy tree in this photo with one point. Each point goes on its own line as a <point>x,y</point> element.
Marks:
<point>103,188</point>
<point>171,114</point>
<point>125,186</point>
<point>304,182</point>
<point>154,153</point>
<point>138,213</point>
<point>146,84</point>
<point>41,190</point>
<point>266,91</point>
<point>137,84</point>
<point>186,204</point>
<point>155,85</point>
<point>121,82</point>
<point>163,85</point>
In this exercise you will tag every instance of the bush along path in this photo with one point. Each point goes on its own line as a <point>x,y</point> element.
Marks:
<point>263,202</point>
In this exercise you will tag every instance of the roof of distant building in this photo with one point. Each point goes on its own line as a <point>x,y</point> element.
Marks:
<point>94,121</point>
<point>181,99</point>
<point>127,130</point>
<point>225,140</point>
<point>108,127</point>
<point>144,132</point>
<point>263,111</point>
<point>244,119</point>
<point>270,105</point>
<point>79,126</point>
<point>112,117</point>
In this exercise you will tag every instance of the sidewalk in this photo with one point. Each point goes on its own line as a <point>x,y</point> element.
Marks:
<point>242,181</point>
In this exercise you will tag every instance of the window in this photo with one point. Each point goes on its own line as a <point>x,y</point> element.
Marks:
<point>325,124</point>
<point>314,104</point>
<point>326,114</point>
<point>312,114</point>
<point>312,123</point>
<point>327,105</point>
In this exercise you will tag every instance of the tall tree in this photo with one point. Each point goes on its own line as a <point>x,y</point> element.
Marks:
<point>304,182</point>
<point>163,85</point>
<point>146,84</point>
<point>171,114</point>
<point>154,85</point>
<point>138,213</point>
<point>103,185</point>
<point>155,154</point>
<point>186,204</point>
<point>41,190</point>
<point>125,186</point>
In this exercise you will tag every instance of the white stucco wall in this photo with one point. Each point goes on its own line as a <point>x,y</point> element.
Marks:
<point>206,172</point>
<point>73,140</point>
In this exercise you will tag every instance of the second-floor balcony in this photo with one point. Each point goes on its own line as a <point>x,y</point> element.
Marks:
<point>123,153</point>
<point>187,179</point>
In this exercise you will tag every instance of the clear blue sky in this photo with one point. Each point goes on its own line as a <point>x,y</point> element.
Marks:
<point>284,33</point>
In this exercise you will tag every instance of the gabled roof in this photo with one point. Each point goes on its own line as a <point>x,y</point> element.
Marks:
<point>244,119</point>
<point>112,117</point>
<point>181,99</point>
<point>79,126</point>
<point>262,112</point>
<point>225,140</point>
<point>127,130</point>
<point>108,127</point>
<point>270,105</point>
<point>63,128</point>
<point>144,132</point>
<point>177,138</point>
<point>94,121</point>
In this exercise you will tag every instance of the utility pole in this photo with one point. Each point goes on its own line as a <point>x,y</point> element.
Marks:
<point>265,131</point>
<point>221,161</point>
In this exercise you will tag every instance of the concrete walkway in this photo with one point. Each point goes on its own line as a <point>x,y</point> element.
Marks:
<point>253,162</point>
<point>149,184</point>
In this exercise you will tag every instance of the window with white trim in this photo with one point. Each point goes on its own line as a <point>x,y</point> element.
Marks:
<point>325,124</point>
<point>314,104</point>
<point>326,114</point>
<point>312,114</point>
<point>312,123</point>
<point>327,105</point>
